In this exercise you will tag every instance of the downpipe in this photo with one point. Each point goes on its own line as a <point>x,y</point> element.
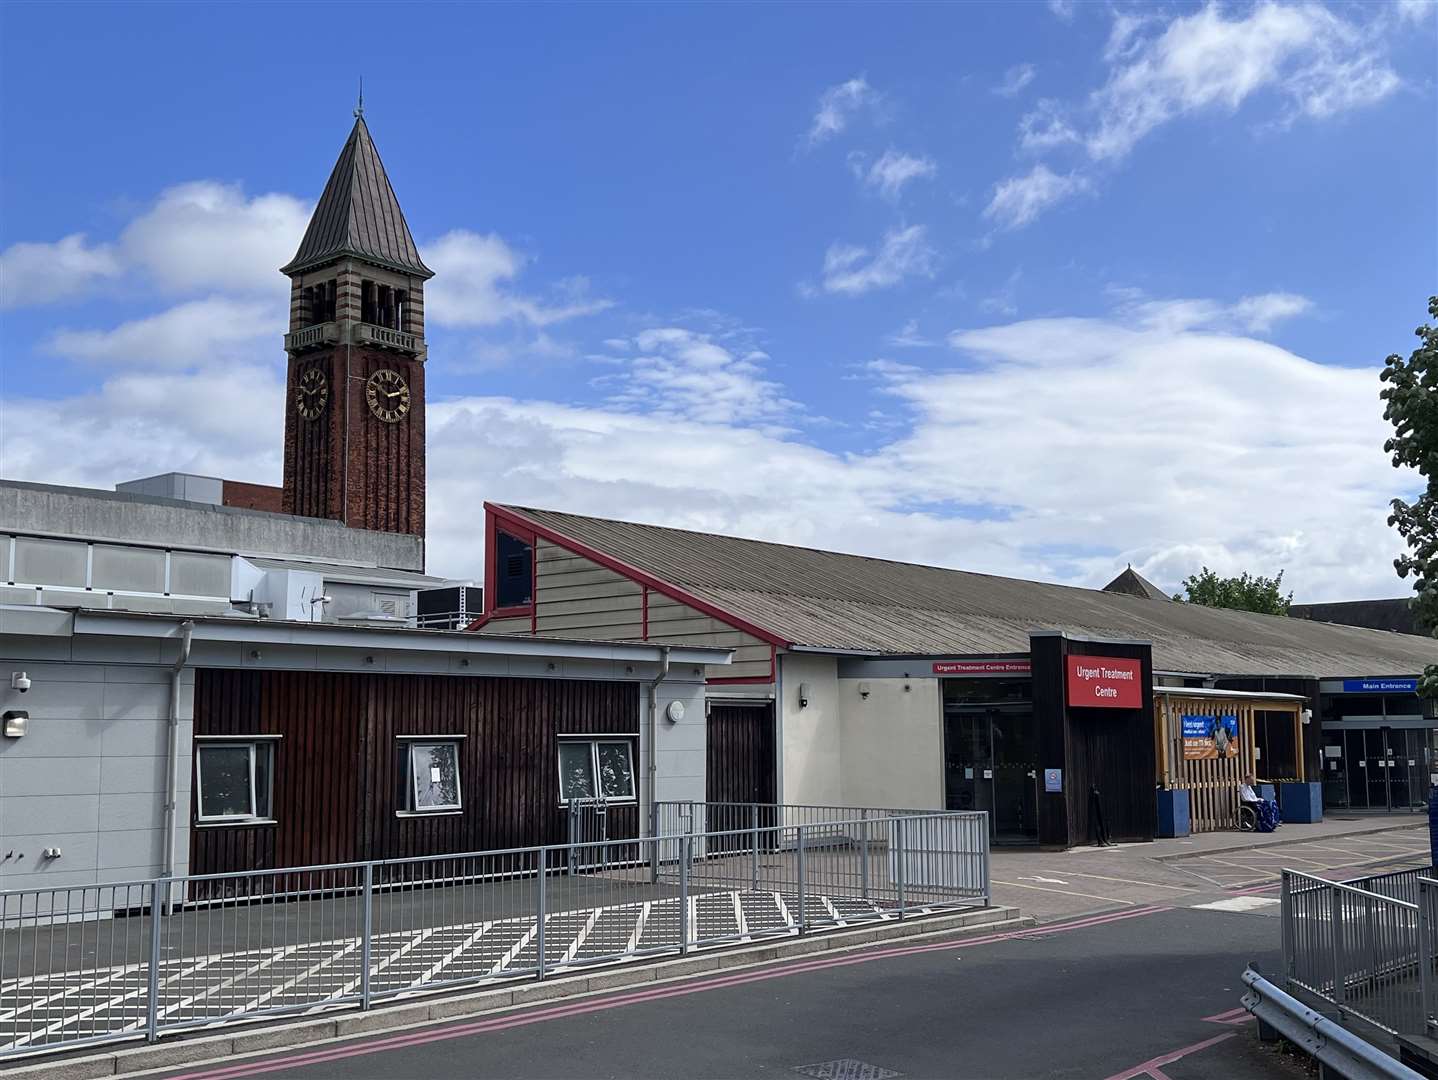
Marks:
<point>651,773</point>
<point>172,785</point>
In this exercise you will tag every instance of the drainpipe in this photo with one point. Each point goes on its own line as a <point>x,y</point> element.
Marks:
<point>652,772</point>
<point>172,787</point>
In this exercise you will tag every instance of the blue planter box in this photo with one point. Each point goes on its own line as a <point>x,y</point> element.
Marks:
<point>1173,815</point>
<point>1301,804</point>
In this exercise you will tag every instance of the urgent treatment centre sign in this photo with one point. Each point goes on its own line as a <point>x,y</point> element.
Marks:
<point>981,667</point>
<point>1105,682</point>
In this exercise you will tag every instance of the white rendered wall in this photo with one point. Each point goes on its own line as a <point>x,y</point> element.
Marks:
<point>893,743</point>
<point>812,757</point>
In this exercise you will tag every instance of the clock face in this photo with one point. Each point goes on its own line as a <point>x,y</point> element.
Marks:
<point>388,395</point>
<point>312,393</point>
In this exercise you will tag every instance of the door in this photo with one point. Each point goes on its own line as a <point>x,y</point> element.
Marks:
<point>991,764</point>
<point>1015,755</point>
<point>1375,756</point>
<point>739,771</point>
<point>1355,761</point>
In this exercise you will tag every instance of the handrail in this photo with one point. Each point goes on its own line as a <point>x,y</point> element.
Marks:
<point>1324,1039</point>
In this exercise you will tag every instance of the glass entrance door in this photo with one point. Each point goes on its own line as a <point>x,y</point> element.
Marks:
<point>1387,768</point>
<point>991,764</point>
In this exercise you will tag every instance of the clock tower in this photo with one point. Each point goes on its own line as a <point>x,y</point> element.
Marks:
<point>354,395</point>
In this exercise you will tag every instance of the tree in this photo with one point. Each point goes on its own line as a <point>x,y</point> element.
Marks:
<point>1243,593</point>
<point>1410,395</point>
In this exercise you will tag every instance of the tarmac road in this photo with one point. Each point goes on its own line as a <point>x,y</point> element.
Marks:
<point>1143,992</point>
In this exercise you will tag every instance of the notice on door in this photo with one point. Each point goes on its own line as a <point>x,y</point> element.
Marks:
<point>1105,682</point>
<point>1209,737</point>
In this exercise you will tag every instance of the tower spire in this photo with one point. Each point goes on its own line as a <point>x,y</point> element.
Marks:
<point>359,109</point>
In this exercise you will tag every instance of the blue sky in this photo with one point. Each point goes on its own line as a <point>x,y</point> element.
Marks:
<point>1038,289</point>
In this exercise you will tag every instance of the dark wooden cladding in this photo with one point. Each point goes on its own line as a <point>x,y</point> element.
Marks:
<point>337,778</point>
<point>739,766</point>
<point>1108,749</point>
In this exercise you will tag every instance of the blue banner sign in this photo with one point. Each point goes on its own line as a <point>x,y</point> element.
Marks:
<point>1209,737</point>
<point>1380,686</point>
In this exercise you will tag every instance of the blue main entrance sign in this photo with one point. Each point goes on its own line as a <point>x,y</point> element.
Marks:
<point>1380,686</point>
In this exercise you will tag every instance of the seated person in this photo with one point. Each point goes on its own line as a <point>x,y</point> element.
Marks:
<point>1246,793</point>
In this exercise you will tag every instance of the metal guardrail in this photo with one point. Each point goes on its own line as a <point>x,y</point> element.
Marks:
<point>1324,1039</point>
<point>143,959</point>
<point>1358,950</point>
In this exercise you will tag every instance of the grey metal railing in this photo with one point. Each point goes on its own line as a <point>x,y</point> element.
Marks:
<point>1364,952</point>
<point>143,959</point>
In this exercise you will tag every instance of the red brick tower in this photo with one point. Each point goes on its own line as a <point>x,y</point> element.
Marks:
<point>354,396</point>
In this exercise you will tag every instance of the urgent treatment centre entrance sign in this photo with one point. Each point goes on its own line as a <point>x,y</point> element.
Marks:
<point>1105,682</point>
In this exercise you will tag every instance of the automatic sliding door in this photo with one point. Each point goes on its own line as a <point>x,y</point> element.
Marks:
<point>1355,760</point>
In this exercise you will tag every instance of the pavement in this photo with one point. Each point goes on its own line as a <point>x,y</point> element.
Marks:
<point>1150,992</point>
<point>1055,885</point>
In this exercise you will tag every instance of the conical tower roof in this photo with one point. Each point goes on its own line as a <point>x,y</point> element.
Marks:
<point>359,215</point>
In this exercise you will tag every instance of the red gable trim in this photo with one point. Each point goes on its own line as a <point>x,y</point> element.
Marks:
<point>511,519</point>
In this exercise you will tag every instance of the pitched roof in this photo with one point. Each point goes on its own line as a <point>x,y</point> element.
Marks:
<point>1135,584</point>
<point>828,600</point>
<point>359,215</point>
<point>1395,615</point>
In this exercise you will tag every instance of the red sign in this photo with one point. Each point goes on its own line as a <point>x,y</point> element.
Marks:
<point>981,667</point>
<point>1105,682</point>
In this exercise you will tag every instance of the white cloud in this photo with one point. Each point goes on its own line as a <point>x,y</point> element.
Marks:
<point>1015,79</point>
<point>1004,300</point>
<point>195,333</point>
<point>909,337</point>
<point>1020,199</point>
<point>1208,60</point>
<point>196,237</point>
<point>470,286</point>
<point>1312,62</point>
<point>1251,314</point>
<point>33,273</point>
<point>1063,9</point>
<point>1035,446</point>
<point>684,373</point>
<point>838,105</point>
<point>853,270</point>
<point>205,234</point>
<point>891,171</point>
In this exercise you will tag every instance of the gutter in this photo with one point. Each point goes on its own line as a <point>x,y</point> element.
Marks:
<point>172,786</point>
<point>651,774</point>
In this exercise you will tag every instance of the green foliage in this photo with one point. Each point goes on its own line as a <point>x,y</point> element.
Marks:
<point>1243,593</point>
<point>1410,396</point>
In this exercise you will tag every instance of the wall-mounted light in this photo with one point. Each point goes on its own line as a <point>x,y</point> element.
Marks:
<point>864,690</point>
<point>803,695</point>
<point>674,712</point>
<point>19,681</point>
<point>16,722</point>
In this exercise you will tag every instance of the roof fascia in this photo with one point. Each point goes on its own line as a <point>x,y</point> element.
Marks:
<point>280,632</point>
<point>674,592</point>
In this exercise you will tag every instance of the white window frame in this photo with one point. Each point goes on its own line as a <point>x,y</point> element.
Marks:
<point>413,809</point>
<point>252,746</point>
<point>594,742</point>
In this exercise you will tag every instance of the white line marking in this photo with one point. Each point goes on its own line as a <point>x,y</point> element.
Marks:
<point>578,942</point>
<point>517,948</point>
<point>639,927</point>
<point>740,922</point>
<point>1066,892</point>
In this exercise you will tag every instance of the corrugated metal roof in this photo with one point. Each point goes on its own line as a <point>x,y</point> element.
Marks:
<point>358,214</point>
<point>824,599</point>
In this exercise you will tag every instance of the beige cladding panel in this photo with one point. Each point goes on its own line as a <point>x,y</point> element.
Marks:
<point>576,597</point>
<point>507,626</point>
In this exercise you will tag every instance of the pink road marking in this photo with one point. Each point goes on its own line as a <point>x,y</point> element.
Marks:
<point>1151,1067</point>
<point>1158,1074</point>
<point>560,1012</point>
<point>1225,1017</point>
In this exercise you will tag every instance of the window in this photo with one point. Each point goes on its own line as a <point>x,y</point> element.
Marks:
<point>596,767</point>
<point>234,781</point>
<point>431,776</point>
<point>512,563</point>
